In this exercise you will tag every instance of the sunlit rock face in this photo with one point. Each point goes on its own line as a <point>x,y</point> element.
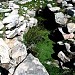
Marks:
<point>31,66</point>
<point>4,0</point>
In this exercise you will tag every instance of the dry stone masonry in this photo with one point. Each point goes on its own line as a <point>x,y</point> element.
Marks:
<point>14,59</point>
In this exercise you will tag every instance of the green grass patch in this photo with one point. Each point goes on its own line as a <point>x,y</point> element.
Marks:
<point>44,50</point>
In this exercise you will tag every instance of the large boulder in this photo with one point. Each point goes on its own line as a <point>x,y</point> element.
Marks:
<point>12,17</point>
<point>18,52</point>
<point>54,9</point>
<point>31,66</point>
<point>11,34</point>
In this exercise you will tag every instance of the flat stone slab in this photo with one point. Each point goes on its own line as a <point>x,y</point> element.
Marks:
<point>5,10</point>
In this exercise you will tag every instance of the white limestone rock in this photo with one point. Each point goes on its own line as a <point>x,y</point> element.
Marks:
<point>1,32</point>
<point>64,3</point>
<point>49,5</point>
<point>54,9</point>
<point>21,29</point>
<point>32,22</point>
<point>1,25</point>
<point>4,52</point>
<point>15,6</point>
<point>31,13</point>
<point>5,10</point>
<point>27,16</point>
<point>60,18</point>
<point>11,4</point>
<point>63,57</point>
<point>25,8</point>
<point>18,50</point>
<point>11,19</point>
<point>71,27</point>
<point>11,34</point>
<point>7,14</point>
<point>69,5</point>
<point>10,25</point>
<point>21,18</point>
<point>31,66</point>
<point>59,1</point>
<point>20,21</point>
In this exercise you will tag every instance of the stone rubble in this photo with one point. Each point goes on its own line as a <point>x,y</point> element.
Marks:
<point>65,33</point>
<point>4,52</point>
<point>13,53</point>
<point>1,25</point>
<point>60,18</point>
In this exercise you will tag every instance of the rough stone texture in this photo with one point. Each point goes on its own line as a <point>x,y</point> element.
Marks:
<point>30,66</point>
<point>71,27</point>
<point>1,25</point>
<point>60,18</point>
<point>54,9</point>
<point>4,52</point>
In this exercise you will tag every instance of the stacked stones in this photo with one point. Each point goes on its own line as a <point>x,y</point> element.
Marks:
<point>62,33</point>
<point>13,53</point>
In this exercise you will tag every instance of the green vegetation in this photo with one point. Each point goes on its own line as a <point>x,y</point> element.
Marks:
<point>42,49</point>
<point>2,35</point>
<point>43,46</point>
<point>53,70</point>
<point>38,36</point>
<point>1,16</point>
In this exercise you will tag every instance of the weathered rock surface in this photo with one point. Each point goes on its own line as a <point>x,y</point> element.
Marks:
<point>54,9</point>
<point>71,27</point>
<point>30,66</point>
<point>1,25</point>
<point>60,18</point>
<point>4,52</point>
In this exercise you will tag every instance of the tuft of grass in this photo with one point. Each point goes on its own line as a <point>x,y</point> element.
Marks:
<point>1,15</point>
<point>44,50</point>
